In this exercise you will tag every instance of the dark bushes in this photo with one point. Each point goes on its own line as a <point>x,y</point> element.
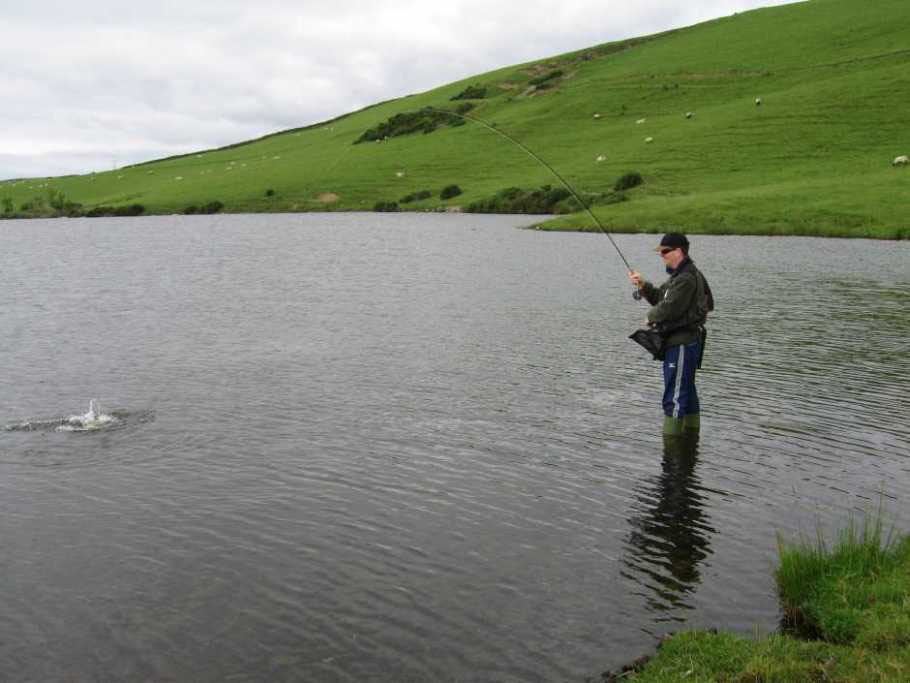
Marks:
<point>416,196</point>
<point>541,80</point>
<point>516,200</point>
<point>270,192</point>
<point>386,206</point>
<point>131,210</point>
<point>450,191</point>
<point>53,204</point>
<point>425,120</point>
<point>210,208</point>
<point>472,92</point>
<point>628,181</point>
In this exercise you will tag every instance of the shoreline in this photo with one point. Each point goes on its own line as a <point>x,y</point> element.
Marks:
<point>846,618</point>
<point>572,223</point>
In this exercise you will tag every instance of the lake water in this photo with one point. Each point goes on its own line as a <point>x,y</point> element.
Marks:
<point>364,447</point>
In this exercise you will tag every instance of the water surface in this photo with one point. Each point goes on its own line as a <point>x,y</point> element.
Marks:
<point>416,447</point>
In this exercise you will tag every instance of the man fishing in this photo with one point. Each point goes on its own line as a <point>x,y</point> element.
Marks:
<point>679,308</point>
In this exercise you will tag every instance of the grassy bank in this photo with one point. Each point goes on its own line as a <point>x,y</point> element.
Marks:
<point>783,120</point>
<point>848,609</point>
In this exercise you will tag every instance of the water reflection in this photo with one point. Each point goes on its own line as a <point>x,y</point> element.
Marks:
<point>671,533</point>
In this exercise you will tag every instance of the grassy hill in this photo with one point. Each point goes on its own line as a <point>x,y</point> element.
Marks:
<point>814,157</point>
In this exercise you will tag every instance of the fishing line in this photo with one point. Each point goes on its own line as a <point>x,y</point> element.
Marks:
<point>548,167</point>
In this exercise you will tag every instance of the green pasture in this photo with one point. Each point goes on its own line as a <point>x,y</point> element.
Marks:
<point>813,158</point>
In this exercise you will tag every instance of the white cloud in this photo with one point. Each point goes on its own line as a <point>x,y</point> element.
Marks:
<point>100,82</point>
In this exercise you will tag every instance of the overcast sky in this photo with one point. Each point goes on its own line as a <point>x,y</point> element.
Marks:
<point>95,84</point>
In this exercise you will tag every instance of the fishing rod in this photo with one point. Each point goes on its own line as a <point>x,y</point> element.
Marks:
<point>548,167</point>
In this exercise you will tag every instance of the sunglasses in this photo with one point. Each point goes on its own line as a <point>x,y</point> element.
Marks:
<point>667,250</point>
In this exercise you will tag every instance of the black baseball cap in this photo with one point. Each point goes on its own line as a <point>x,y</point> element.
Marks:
<point>674,240</point>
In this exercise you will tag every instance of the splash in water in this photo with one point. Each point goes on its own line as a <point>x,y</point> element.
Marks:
<point>93,419</point>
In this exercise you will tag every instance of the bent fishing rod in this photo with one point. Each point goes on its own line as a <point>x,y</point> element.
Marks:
<point>552,170</point>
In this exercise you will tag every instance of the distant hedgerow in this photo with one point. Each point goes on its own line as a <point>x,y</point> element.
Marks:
<point>211,207</point>
<point>386,206</point>
<point>131,210</point>
<point>517,200</point>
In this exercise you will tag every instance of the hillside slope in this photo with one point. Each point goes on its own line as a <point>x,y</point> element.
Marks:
<point>833,78</point>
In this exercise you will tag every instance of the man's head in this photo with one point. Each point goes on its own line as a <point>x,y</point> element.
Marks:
<point>673,248</point>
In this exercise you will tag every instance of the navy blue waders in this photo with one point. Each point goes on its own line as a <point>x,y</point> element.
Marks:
<point>680,402</point>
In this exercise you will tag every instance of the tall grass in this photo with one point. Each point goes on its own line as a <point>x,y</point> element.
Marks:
<point>849,600</point>
<point>856,589</point>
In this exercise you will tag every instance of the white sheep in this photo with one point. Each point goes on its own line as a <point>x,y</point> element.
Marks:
<point>601,157</point>
<point>690,114</point>
<point>649,139</point>
<point>902,160</point>
<point>757,101</point>
<point>641,120</point>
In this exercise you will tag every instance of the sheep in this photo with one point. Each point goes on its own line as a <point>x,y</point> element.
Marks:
<point>601,157</point>
<point>757,101</point>
<point>641,120</point>
<point>902,160</point>
<point>690,114</point>
<point>649,139</point>
<point>596,116</point>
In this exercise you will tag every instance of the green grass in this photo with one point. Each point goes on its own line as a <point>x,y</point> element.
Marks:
<point>813,159</point>
<point>850,603</point>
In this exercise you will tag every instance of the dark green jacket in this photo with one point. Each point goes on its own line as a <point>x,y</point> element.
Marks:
<point>680,305</point>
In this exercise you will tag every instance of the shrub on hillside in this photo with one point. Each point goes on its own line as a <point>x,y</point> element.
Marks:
<point>540,80</point>
<point>130,210</point>
<point>386,206</point>
<point>472,92</point>
<point>211,207</point>
<point>190,210</point>
<point>425,120</point>
<point>450,191</point>
<point>416,196</point>
<point>270,192</point>
<point>517,200</point>
<point>628,181</point>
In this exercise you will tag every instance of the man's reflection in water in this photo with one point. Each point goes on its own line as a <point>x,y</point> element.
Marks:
<point>670,531</point>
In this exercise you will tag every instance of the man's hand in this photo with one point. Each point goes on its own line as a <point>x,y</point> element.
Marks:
<point>636,278</point>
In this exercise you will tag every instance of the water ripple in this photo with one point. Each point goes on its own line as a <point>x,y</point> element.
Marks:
<point>394,452</point>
